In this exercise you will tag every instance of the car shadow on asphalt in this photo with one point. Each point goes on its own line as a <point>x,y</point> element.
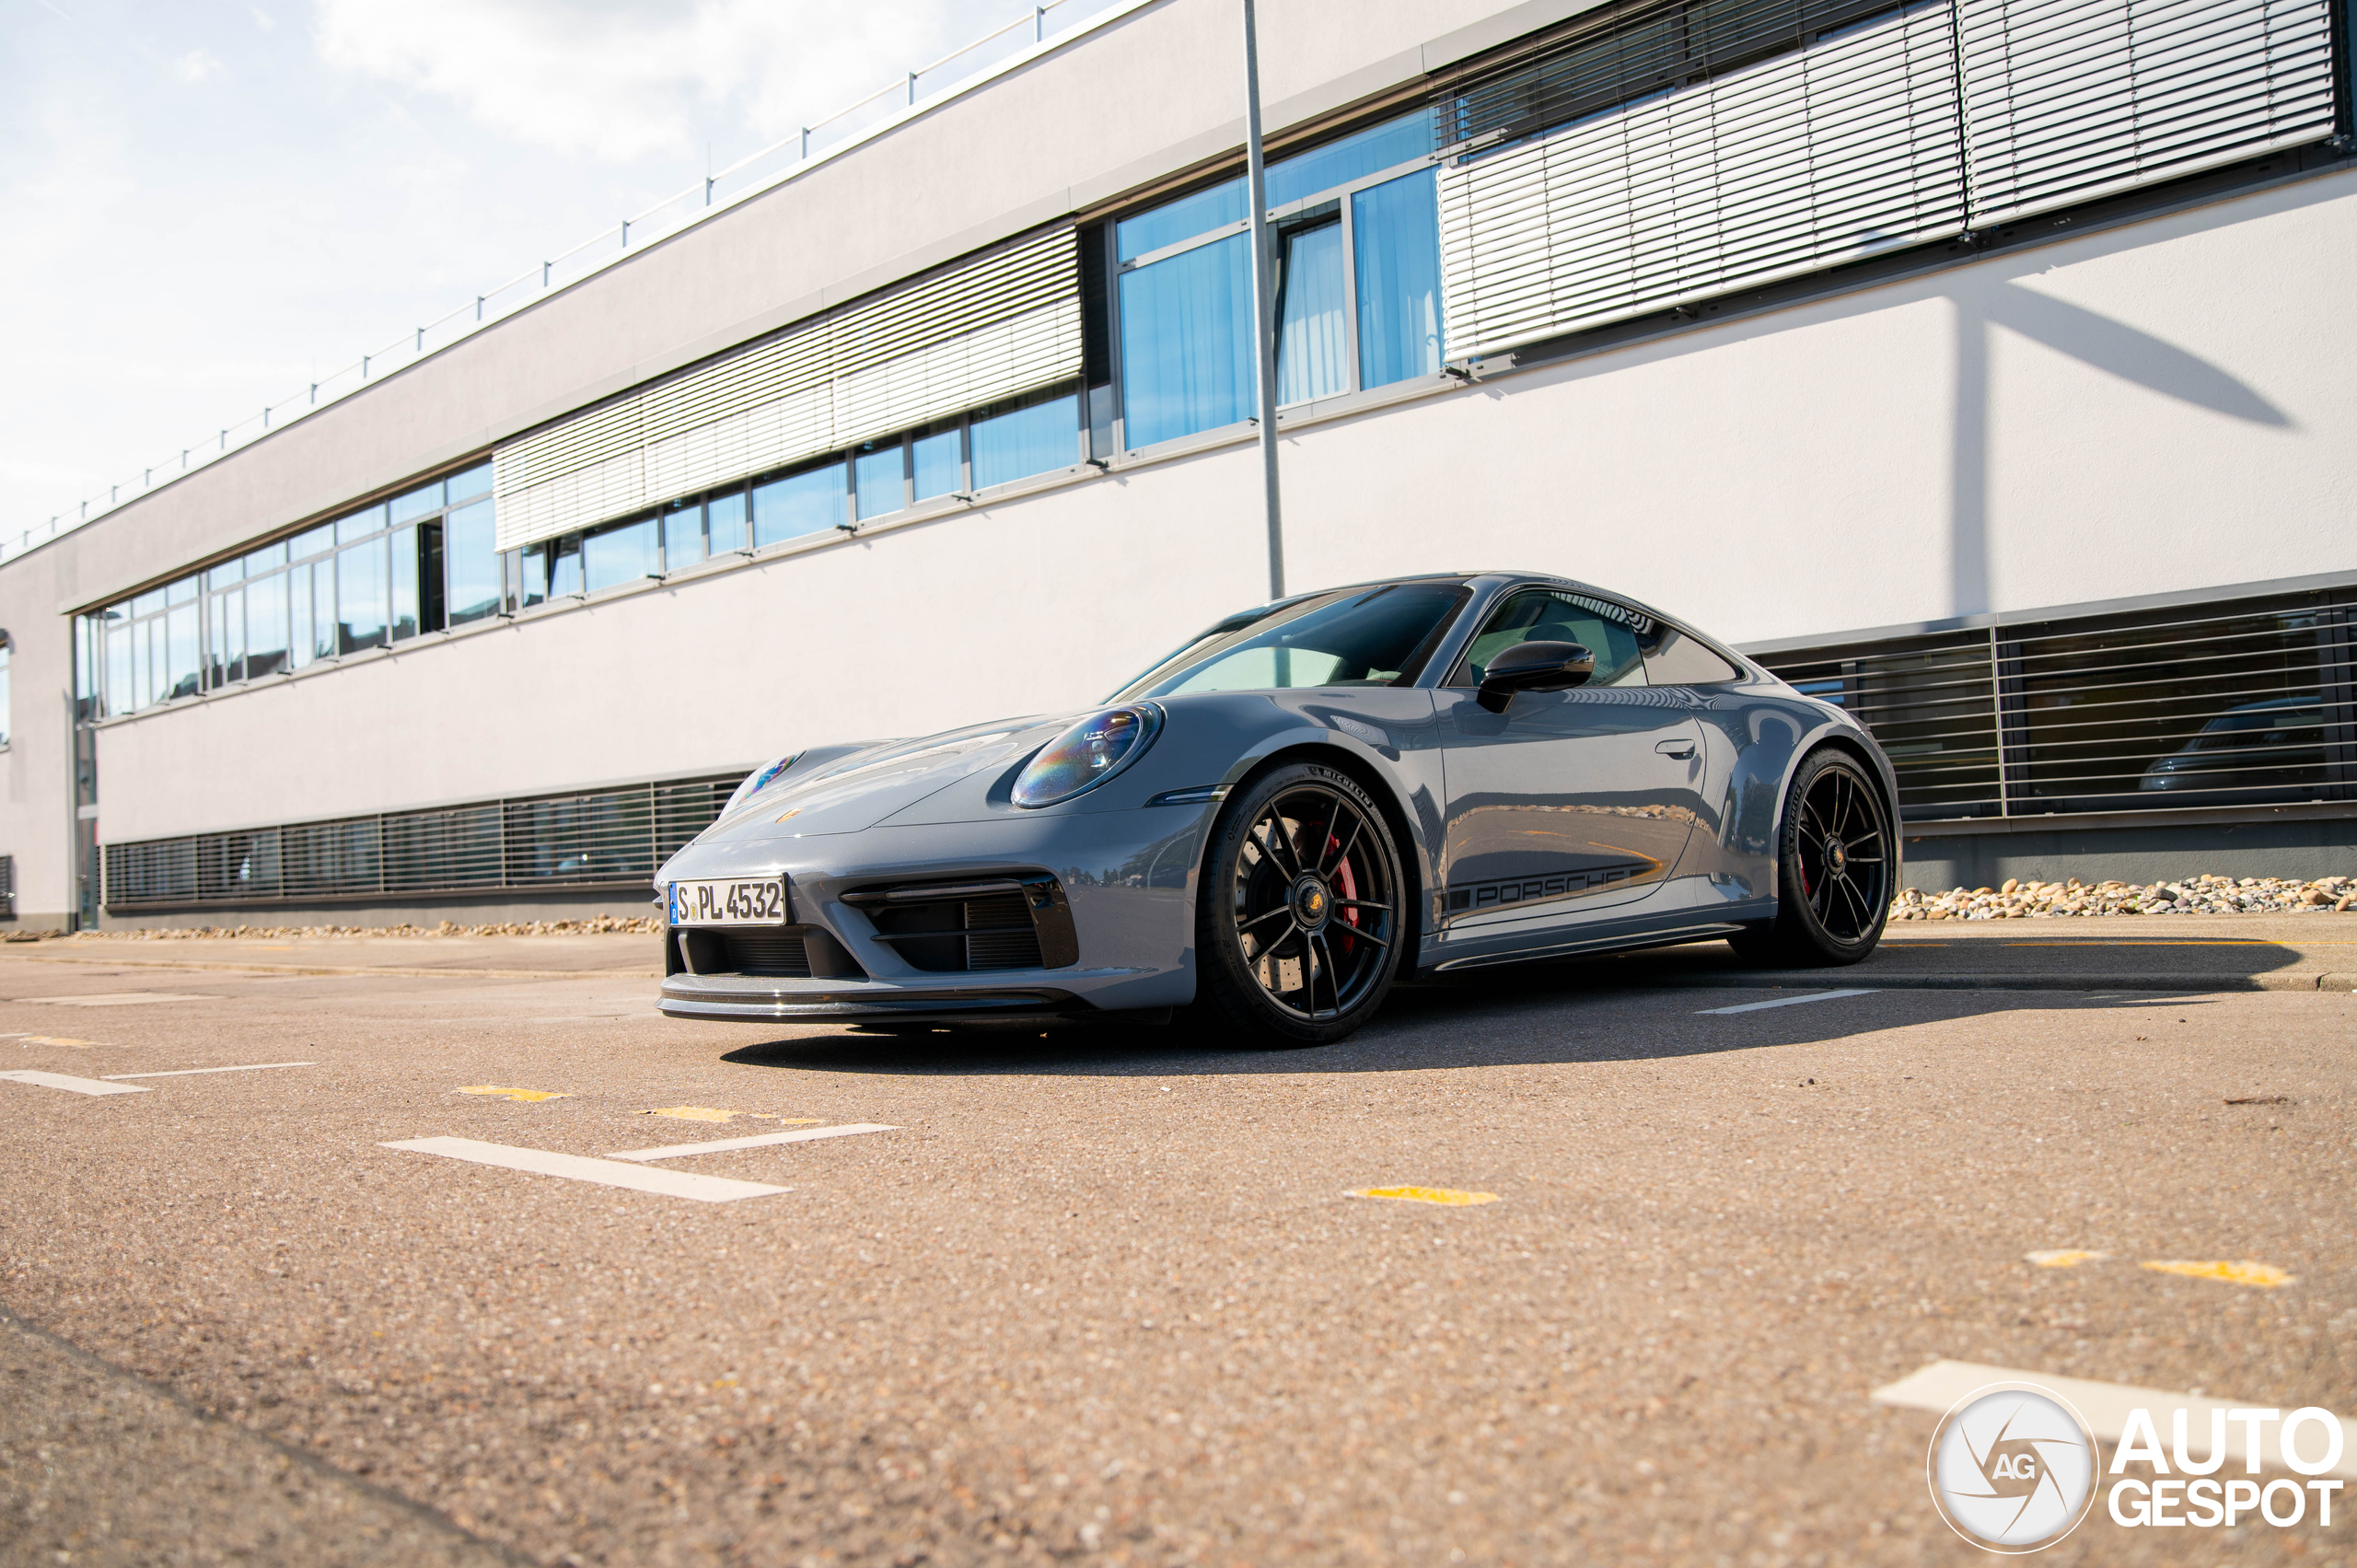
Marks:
<point>1531,1016</point>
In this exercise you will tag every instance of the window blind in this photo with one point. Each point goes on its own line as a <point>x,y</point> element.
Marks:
<point>995,328</point>
<point>1840,150</point>
<point>2067,100</point>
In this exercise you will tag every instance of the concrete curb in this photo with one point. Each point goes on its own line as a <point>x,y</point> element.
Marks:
<point>1787,980</point>
<point>413,973</point>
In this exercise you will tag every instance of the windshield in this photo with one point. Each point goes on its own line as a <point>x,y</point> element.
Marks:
<point>1378,636</point>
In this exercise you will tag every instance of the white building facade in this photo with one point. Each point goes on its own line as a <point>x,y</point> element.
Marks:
<point>1981,365</point>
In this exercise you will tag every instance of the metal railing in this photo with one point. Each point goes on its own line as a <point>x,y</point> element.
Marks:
<point>998,51</point>
<point>610,838</point>
<point>2245,703</point>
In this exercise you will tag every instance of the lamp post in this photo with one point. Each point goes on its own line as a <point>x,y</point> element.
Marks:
<point>1264,304</point>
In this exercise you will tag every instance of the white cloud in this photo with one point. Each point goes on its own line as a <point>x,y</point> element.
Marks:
<point>197,65</point>
<point>625,79</point>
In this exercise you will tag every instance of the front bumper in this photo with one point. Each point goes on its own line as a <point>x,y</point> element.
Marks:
<point>1128,877</point>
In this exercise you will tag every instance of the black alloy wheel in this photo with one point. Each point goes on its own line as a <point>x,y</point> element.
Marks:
<point>1300,922</point>
<point>1835,855</point>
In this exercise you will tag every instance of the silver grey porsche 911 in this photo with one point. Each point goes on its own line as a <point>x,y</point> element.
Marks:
<point>1303,806</point>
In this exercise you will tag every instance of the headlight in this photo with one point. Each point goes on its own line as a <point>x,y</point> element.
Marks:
<point>759,779</point>
<point>1088,754</point>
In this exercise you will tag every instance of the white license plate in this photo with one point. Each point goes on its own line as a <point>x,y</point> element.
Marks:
<point>730,903</point>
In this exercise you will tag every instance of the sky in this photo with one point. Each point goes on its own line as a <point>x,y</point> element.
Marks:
<point>208,202</point>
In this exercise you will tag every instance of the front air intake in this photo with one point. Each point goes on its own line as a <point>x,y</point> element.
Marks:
<point>999,923</point>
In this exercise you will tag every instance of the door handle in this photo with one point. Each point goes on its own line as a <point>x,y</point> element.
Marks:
<point>1679,748</point>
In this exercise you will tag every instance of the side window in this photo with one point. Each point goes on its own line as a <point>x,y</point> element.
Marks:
<point>1542,615</point>
<point>1677,659</point>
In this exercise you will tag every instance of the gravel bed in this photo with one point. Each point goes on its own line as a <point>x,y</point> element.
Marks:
<point>2192,895</point>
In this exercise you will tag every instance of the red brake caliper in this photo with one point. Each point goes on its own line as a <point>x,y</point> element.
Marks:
<point>1345,885</point>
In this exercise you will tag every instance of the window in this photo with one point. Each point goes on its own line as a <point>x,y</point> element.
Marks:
<point>1357,282</point>
<point>806,503</point>
<point>1543,615</point>
<point>1673,659</point>
<point>937,460</point>
<point>470,563</point>
<point>1399,279</point>
<point>879,474</point>
<point>629,553</point>
<point>684,543</point>
<point>374,577</point>
<point>725,521</point>
<point>1027,435</point>
<point>1364,637</point>
<point>361,586</point>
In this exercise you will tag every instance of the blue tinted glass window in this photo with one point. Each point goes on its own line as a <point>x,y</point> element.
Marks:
<point>405,583</point>
<point>180,627</point>
<point>1396,229</point>
<point>418,503</point>
<point>564,566</point>
<point>266,624</point>
<point>1356,157</point>
<point>1182,219</point>
<point>360,596</point>
<point>937,462</point>
<point>1187,342</point>
<point>725,520</point>
<point>878,470</point>
<point>1313,342</point>
<point>1029,441</point>
<point>314,542</point>
<point>357,526</point>
<point>802,504</point>
<point>181,592</point>
<point>615,556</point>
<point>467,485</point>
<point>470,557</point>
<point>269,555</point>
<point>682,535</point>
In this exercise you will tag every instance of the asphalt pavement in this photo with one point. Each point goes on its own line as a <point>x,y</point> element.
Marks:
<point>1095,1293</point>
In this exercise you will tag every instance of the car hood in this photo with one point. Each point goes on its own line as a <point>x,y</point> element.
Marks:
<point>858,791</point>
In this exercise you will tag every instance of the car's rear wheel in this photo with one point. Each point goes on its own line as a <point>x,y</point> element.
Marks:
<point>1300,923</point>
<point>1835,851</point>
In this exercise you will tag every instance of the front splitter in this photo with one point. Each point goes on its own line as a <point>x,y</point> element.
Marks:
<point>821,1009</point>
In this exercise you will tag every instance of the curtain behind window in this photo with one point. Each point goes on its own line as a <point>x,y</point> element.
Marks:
<point>1396,230</point>
<point>1187,342</point>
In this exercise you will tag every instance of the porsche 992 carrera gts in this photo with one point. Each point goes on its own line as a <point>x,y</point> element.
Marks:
<point>1302,805</point>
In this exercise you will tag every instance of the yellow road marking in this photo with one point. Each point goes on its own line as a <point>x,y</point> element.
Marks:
<point>60,1039</point>
<point>497,1092</point>
<point>2062,1257</point>
<point>1448,1195</point>
<point>2265,1276</point>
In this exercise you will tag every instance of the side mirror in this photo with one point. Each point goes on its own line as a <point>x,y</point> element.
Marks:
<point>1534,667</point>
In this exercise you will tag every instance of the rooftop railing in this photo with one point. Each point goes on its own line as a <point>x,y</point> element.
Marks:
<point>1027,36</point>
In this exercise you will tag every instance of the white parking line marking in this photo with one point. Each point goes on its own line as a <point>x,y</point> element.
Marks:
<point>78,1085</point>
<point>192,1071</point>
<point>1784,1002</point>
<point>606,1173</point>
<point>116,999</point>
<point>717,1145</point>
<point>2108,1406</point>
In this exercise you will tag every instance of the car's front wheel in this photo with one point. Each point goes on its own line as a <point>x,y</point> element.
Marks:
<point>1835,854</point>
<point>1300,923</point>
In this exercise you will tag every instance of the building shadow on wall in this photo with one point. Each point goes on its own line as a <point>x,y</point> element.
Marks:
<point>2094,339</point>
